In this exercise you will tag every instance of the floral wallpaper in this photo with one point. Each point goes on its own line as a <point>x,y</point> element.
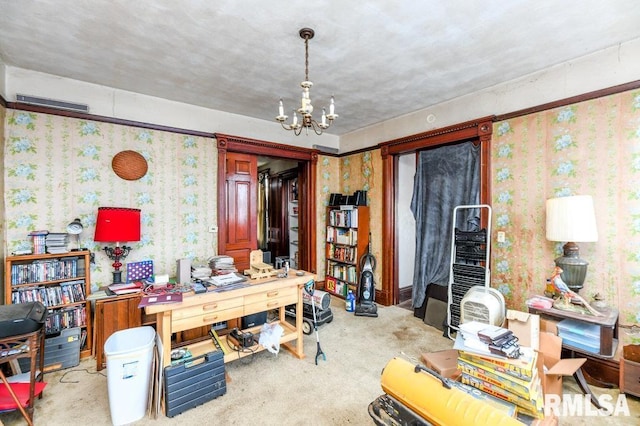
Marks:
<point>59,168</point>
<point>589,148</point>
<point>345,175</point>
<point>2,228</point>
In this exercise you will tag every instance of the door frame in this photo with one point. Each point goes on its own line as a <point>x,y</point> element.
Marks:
<point>479,130</point>
<point>306,184</point>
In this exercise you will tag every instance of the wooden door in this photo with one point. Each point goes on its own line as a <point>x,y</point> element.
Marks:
<point>278,240</point>
<point>240,221</point>
<point>229,145</point>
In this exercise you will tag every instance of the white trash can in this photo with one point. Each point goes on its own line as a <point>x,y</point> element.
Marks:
<point>129,354</point>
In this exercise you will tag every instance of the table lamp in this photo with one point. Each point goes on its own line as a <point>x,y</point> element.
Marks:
<point>116,225</point>
<point>75,228</point>
<point>572,219</point>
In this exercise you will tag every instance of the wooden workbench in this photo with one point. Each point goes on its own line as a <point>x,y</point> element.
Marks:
<point>197,310</point>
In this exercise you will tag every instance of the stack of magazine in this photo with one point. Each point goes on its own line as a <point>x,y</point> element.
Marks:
<point>222,265</point>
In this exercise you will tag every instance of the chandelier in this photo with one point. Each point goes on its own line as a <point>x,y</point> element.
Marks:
<point>306,109</point>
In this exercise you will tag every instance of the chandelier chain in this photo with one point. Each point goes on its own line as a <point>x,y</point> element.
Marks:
<point>306,58</point>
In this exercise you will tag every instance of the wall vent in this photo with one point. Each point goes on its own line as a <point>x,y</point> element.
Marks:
<point>52,103</point>
<point>326,149</point>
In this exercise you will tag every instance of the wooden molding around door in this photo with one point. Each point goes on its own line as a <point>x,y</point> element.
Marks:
<point>306,185</point>
<point>479,130</point>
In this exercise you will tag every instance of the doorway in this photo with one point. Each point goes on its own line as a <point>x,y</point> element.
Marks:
<point>278,210</point>
<point>306,159</point>
<point>479,131</point>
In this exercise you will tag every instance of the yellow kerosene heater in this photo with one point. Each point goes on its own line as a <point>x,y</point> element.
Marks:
<point>425,395</point>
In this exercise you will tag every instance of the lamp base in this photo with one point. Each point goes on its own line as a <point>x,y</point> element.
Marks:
<point>574,269</point>
<point>117,277</point>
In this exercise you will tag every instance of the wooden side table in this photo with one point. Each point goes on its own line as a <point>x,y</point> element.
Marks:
<point>23,346</point>
<point>608,326</point>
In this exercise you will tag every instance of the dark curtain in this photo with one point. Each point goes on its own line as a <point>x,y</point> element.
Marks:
<point>446,177</point>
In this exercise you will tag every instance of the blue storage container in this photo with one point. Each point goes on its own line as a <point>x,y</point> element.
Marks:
<point>580,335</point>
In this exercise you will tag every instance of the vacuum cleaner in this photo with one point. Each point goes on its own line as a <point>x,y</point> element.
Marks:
<point>365,307</point>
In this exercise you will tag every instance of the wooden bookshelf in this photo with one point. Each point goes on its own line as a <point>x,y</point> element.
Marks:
<point>347,238</point>
<point>61,282</point>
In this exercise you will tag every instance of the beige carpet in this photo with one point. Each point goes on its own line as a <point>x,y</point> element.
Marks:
<point>284,390</point>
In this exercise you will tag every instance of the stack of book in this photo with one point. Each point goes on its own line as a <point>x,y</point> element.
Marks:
<point>222,265</point>
<point>126,288</point>
<point>512,379</point>
<point>56,242</point>
<point>200,272</point>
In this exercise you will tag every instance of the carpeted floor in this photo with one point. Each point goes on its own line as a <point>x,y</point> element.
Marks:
<point>282,390</point>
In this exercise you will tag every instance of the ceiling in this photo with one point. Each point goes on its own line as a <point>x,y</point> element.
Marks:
<point>380,59</point>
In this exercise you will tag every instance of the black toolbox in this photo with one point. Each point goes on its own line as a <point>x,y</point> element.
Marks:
<point>194,381</point>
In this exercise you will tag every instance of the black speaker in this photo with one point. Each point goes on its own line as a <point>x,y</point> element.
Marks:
<point>254,320</point>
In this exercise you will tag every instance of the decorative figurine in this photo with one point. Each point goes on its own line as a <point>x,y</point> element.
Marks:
<point>565,294</point>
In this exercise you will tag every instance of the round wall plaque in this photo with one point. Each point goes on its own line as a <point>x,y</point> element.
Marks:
<point>129,165</point>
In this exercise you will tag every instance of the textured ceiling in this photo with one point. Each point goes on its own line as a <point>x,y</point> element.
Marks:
<point>381,58</point>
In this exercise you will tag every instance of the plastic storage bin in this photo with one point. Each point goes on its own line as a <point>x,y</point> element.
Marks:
<point>129,353</point>
<point>580,335</point>
<point>60,352</point>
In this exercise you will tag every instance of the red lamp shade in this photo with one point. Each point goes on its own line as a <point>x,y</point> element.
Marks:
<point>117,224</point>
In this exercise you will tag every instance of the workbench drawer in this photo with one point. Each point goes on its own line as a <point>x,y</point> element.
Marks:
<point>206,308</point>
<point>287,295</point>
<point>206,318</point>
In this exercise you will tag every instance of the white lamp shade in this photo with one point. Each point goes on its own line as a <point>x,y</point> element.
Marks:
<point>571,219</point>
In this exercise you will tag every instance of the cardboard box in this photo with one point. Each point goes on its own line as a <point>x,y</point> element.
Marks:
<point>550,349</point>
<point>547,358</point>
<point>443,362</point>
<point>522,368</point>
<point>549,325</point>
<point>526,327</point>
<point>531,407</point>
<point>524,388</point>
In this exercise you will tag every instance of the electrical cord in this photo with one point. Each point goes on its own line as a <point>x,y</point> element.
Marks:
<point>75,370</point>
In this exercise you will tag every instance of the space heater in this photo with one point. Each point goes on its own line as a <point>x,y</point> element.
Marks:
<point>483,304</point>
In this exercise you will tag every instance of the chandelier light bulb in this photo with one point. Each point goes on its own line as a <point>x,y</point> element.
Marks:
<point>306,108</point>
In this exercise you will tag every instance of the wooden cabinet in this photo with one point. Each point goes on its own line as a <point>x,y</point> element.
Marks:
<point>114,314</point>
<point>346,242</point>
<point>630,370</point>
<point>61,282</point>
